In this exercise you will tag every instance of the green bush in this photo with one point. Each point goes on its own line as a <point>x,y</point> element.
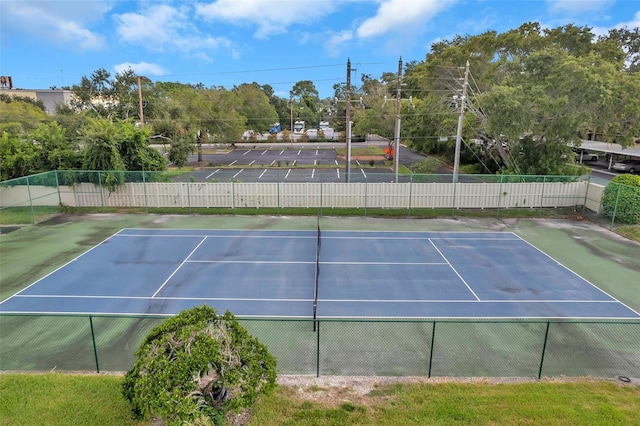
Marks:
<point>198,366</point>
<point>621,199</point>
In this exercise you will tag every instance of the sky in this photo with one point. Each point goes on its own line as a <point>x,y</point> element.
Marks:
<point>225,43</point>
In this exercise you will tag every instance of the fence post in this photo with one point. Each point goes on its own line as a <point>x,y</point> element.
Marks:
<point>144,188</point>
<point>544,185</point>
<point>318,351</point>
<point>33,214</point>
<point>433,339</point>
<point>544,348</point>
<point>95,349</point>
<point>410,193</point>
<point>615,207</point>
<point>58,187</point>
<point>100,189</point>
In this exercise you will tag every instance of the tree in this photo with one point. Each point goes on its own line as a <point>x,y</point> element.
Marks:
<point>546,88</point>
<point>56,152</point>
<point>305,102</point>
<point>254,105</point>
<point>19,115</point>
<point>198,366</point>
<point>17,156</point>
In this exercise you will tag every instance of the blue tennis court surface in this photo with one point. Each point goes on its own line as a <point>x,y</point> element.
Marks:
<point>361,274</point>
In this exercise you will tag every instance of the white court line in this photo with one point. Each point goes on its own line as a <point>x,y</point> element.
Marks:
<point>69,262</point>
<point>221,236</point>
<point>179,266</point>
<point>454,270</point>
<point>383,263</point>
<point>574,273</point>
<point>211,174</point>
<point>341,237</point>
<point>267,262</point>
<point>461,301</point>
<point>56,296</point>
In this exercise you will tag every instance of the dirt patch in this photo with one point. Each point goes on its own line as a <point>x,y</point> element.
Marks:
<point>332,391</point>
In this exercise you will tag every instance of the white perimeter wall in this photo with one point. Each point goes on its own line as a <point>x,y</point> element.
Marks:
<point>312,195</point>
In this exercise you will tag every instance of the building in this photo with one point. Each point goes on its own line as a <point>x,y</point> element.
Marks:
<point>49,97</point>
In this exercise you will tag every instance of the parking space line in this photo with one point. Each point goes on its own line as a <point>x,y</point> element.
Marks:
<point>294,162</point>
<point>262,174</point>
<point>211,174</point>
<point>338,172</point>
<point>273,162</point>
<point>281,152</point>
<point>363,173</point>
<point>336,162</point>
<point>246,152</point>
<point>252,162</point>
<point>233,162</point>
<point>287,175</point>
<point>315,162</point>
<point>299,151</point>
<point>264,152</point>
<point>313,172</point>
<point>241,170</point>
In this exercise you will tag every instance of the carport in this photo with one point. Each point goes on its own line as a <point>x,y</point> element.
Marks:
<point>611,149</point>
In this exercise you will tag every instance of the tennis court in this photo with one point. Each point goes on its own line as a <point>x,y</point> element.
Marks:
<point>308,273</point>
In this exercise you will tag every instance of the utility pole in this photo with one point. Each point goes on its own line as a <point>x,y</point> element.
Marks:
<point>397,127</point>
<point>140,101</point>
<point>348,122</point>
<point>463,107</point>
<point>291,112</point>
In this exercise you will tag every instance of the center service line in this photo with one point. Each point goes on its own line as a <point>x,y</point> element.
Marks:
<point>178,268</point>
<point>454,270</point>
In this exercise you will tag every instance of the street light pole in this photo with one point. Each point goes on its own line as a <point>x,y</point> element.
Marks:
<point>348,122</point>
<point>140,101</point>
<point>291,112</point>
<point>396,153</point>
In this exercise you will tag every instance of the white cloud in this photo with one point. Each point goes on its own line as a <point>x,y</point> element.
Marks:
<point>141,68</point>
<point>165,28</point>
<point>401,16</point>
<point>578,7</point>
<point>271,17</point>
<point>60,22</point>
<point>633,23</point>
<point>335,44</point>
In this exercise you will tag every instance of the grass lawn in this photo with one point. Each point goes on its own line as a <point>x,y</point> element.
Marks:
<point>64,399</point>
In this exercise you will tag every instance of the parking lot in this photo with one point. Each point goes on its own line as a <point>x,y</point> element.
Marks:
<point>289,163</point>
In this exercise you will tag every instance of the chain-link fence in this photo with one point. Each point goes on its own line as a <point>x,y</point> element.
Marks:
<point>371,347</point>
<point>160,191</point>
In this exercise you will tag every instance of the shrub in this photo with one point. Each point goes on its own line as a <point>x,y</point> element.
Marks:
<point>621,199</point>
<point>198,365</point>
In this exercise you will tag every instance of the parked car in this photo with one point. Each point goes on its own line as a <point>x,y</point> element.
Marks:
<point>585,155</point>
<point>630,166</point>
